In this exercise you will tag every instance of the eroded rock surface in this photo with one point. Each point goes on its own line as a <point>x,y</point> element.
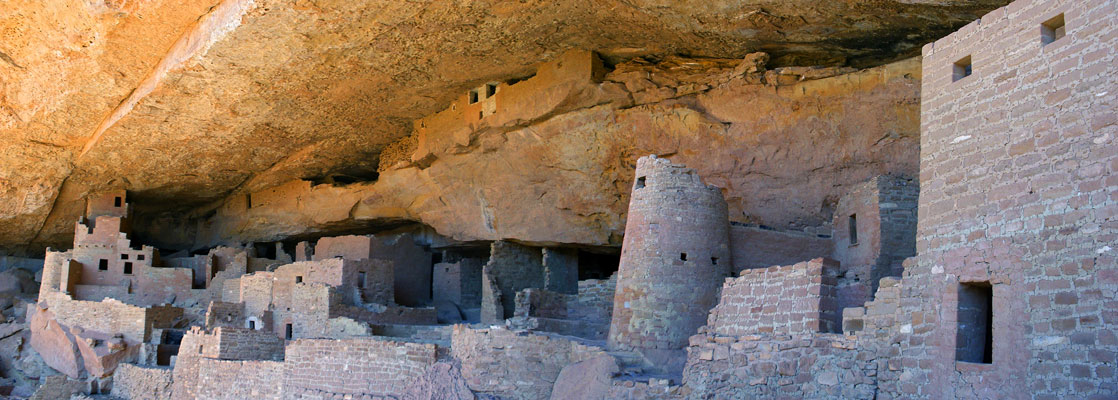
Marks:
<point>784,144</point>
<point>185,102</point>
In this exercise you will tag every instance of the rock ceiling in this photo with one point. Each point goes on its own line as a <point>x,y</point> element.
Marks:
<point>184,102</point>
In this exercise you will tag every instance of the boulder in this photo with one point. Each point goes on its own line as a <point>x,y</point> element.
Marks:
<point>587,380</point>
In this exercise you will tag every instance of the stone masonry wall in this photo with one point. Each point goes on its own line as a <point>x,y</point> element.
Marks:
<point>792,299</point>
<point>317,368</point>
<point>108,316</point>
<point>134,382</point>
<point>236,379</point>
<point>674,257</point>
<point>594,302</point>
<point>514,268</point>
<point>1019,188</point>
<point>809,365</point>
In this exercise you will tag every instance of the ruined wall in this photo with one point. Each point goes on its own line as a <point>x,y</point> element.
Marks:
<point>135,382</point>
<point>594,302</point>
<point>791,299</point>
<point>674,258</point>
<point>514,365</point>
<point>199,347</point>
<point>806,365</point>
<point>755,247</point>
<point>375,367</point>
<point>560,270</point>
<point>109,316</point>
<point>229,315</point>
<point>882,211</point>
<point>237,379</point>
<point>513,268</point>
<point>410,263</point>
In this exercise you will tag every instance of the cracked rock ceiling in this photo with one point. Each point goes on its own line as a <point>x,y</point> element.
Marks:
<point>184,102</point>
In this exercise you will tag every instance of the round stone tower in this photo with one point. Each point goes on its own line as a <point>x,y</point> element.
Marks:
<point>674,258</point>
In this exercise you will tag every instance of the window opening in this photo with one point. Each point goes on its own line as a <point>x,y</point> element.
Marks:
<point>974,338</point>
<point>853,227</point>
<point>962,68</point>
<point>1052,30</point>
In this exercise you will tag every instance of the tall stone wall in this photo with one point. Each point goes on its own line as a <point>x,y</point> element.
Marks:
<point>874,231</point>
<point>513,268</point>
<point>673,259</point>
<point>792,299</point>
<point>1019,175</point>
<point>560,270</point>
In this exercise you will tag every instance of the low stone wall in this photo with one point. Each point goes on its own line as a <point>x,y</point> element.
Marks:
<point>790,299</point>
<point>514,365</point>
<point>320,368</point>
<point>594,301</point>
<point>236,379</point>
<point>133,382</point>
<point>810,365</point>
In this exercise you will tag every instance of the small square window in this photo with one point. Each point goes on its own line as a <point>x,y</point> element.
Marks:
<point>490,90</point>
<point>103,265</point>
<point>298,279</point>
<point>683,256</point>
<point>473,96</point>
<point>962,68</point>
<point>714,261</point>
<point>640,183</point>
<point>140,257</point>
<point>123,256</point>
<point>1052,30</point>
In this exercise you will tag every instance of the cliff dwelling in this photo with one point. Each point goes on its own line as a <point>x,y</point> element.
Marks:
<point>520,200</point>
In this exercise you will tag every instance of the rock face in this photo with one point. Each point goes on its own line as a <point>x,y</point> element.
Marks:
<point>783,144</point>
<point>184,102</point>
<point>587,380</point>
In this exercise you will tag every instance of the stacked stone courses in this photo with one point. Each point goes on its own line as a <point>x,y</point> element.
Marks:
<point>1019,179</point>
<point>674,257</point>
<point>791,299</point>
